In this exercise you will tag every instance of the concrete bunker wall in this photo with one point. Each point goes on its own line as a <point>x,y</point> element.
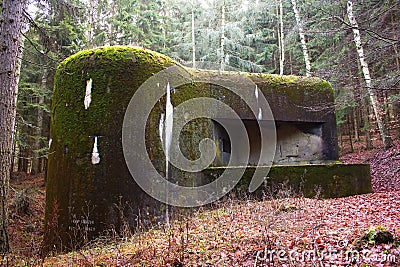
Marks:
<point>300,142</point>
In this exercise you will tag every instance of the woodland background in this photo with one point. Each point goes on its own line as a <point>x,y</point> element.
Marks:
<point>246,35</point>
<point>352,44</point>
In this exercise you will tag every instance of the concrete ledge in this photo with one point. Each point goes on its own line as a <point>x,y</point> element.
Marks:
<point>323,180</point>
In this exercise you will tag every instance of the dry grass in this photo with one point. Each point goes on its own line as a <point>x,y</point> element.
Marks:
<point>237,231</point>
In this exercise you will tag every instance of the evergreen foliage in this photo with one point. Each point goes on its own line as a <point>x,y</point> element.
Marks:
<point>62,28</point>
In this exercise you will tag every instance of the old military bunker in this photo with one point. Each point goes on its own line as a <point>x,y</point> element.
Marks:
<point>89,186</point>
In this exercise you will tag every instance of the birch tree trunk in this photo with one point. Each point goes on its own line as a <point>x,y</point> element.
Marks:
<point>302,38</point>
<point>378,111</point>
<point>365,110</point>
<point>222,67</point>
<point>10,64</point>
<point>193,43</point>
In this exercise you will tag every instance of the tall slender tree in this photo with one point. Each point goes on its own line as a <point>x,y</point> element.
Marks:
<point>10,62</point>
<point>222,49</point>
<point>302,38</point>
<point>378,111</point>
<point>193,42</point>
<point>281,37</point>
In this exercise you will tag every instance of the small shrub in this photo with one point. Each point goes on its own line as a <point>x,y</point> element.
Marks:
<point>284,208</point>
<point>21,203</point>
<point>374,236</point>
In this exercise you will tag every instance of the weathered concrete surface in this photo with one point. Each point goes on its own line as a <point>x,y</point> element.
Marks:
<point>311,180</point>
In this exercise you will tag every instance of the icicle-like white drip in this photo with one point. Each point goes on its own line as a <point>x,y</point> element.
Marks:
<point>88,94</point>
<point>169,120</point>
<point>50,141</point>
<point>259,115</point>
<point>95,152</point>
<point>161,128</point>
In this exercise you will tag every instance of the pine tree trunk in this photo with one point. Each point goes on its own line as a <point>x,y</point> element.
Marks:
<point>92,25</point>
<point>281,44</point>
<point>350,133</point>
<point>193,43</point>
<point>36,161</point>
<point>10,64</point>
<point>396,105</point>
<point>356,124</point>
<point>302,39</point>
<point>278,34</point>
<point>340,137</point>
<point>368,139</point>
<point>111,26</point>
<point>282,37</point>
<point>222,67</point>
<point>396,56</point>
<point>378,111</point>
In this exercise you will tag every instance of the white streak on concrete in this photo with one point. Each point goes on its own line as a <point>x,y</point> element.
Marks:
<point>88,94</point>
<point>95,152</point>
<point>259,116</point>
<point>161,128</point>
<point>169,121</point>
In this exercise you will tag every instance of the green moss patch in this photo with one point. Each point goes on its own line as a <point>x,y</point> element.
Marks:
<point>327,181</point>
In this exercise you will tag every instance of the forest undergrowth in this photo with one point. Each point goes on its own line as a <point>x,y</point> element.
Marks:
<point>286,230</point>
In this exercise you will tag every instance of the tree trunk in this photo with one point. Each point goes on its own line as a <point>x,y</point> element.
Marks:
<point>387,141</point>
<point>36,160</point>
<point>10,64</point>
<point>111,24</point>
<point>193,43</point>
<point>222,67</point>
<point>367,125</point>
<point>350,133</point>
<point>302,39</point>
<point>364,110</point>
<point>282,37</point>
<point>396,57</point>
<point>281,44</point>
<point>396,54</point>
<point>92,26</point>
<point>356,124</point>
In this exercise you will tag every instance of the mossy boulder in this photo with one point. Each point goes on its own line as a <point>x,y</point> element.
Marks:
<point>375,236</point>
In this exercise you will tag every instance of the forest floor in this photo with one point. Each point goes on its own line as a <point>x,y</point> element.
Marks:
<point>385,165</point>
<point>287,231</point>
